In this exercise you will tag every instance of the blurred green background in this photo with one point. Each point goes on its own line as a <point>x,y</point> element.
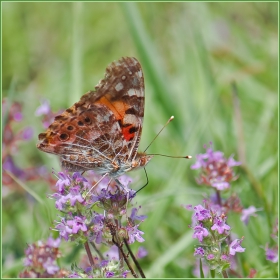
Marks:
<point>191,54</point>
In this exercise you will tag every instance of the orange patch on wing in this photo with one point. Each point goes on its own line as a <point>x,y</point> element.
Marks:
<point>118,107</point>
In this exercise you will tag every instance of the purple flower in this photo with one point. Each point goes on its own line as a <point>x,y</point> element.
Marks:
<point>210,257</point>
<point>78,178</point>
<point>104,263</point>
<point>220,225</point>
<point>17,116</point>
<point>124,275</point>
<point>98,222</point>
<point>64,229</point>
<point>134,233</point>
<point>43,109</point>
<point>53,242</point>
<point>216,169</point>
<point>113,253</point>
<point>272,254</point>
<point>247,213</point>
<point>220,184</point>
<point>74,275</point>
<point>61,200</point>
<point>50,267</point>
<point>235,246</point>
<point>200,232</point>
<point>125,180</point>
<point>231,162</point>
<point>224,257</point>
<point>199,252</point>
<point>77,224</point>
<point>141,253</point>
<point>200,161</point>
<point>188,207</point>
<point>134,217</point>
<point>27,133</point>
<point>10,166</point>
<point>63,181</point>
<point>201,213</point>
<point>109,274</point>
<point>75,195</point>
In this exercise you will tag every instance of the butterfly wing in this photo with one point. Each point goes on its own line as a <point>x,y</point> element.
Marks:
<point>105,125</point>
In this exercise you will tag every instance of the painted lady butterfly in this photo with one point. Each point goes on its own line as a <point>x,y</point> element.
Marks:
<point>102,131</point>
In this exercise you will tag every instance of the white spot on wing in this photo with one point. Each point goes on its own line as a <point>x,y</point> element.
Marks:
<point>131,92</point>
<point>119,87</point>
<point>130,119</point>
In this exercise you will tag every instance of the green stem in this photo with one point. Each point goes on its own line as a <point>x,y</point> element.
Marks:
<point>134,259</point>
<point>89,254</point>
<point>224,272</point>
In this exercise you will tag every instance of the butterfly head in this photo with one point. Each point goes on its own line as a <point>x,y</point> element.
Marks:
<point>141,160</point>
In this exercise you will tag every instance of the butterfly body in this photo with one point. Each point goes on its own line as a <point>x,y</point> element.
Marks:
<point>102,131</point>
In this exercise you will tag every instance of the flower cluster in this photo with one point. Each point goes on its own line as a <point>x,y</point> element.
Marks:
<point>41,260</point>
<point>212,231</point>
<point>103,268</point>
<point>217,171</point>
<point>271,253</point>
<point>91,213</point>
<point>81,222</point>
<point>14,134</point>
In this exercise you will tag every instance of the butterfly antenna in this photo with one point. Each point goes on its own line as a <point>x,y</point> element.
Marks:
<point>170,119</point>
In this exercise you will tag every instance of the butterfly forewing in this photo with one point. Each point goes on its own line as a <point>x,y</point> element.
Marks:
<point>104,127</point>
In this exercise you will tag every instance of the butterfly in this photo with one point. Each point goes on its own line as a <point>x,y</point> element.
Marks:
<point>102,131</point>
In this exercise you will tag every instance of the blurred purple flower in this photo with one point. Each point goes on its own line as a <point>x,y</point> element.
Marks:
<point>235,246</point>
<point>113,253</point>
<point>272,254</point>
<point>53,242</point>
<point>109,274</point>
<point>189,207</point>
<point>225,257</point>
<point>50,266</point>
<point>210,257</point>
<point>27,133</point>
<point>124,274</point>
<point>134,217</point>
<point>216,169</point>
<point>43,109</point>
<point>9,165</point>
<point>17,116</point>
<point>141,253</point>
<point>247,213</point>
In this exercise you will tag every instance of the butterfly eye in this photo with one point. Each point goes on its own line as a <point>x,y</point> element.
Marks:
<point>87,120</point>
<point>63,137</point>
<point>70,127</point>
